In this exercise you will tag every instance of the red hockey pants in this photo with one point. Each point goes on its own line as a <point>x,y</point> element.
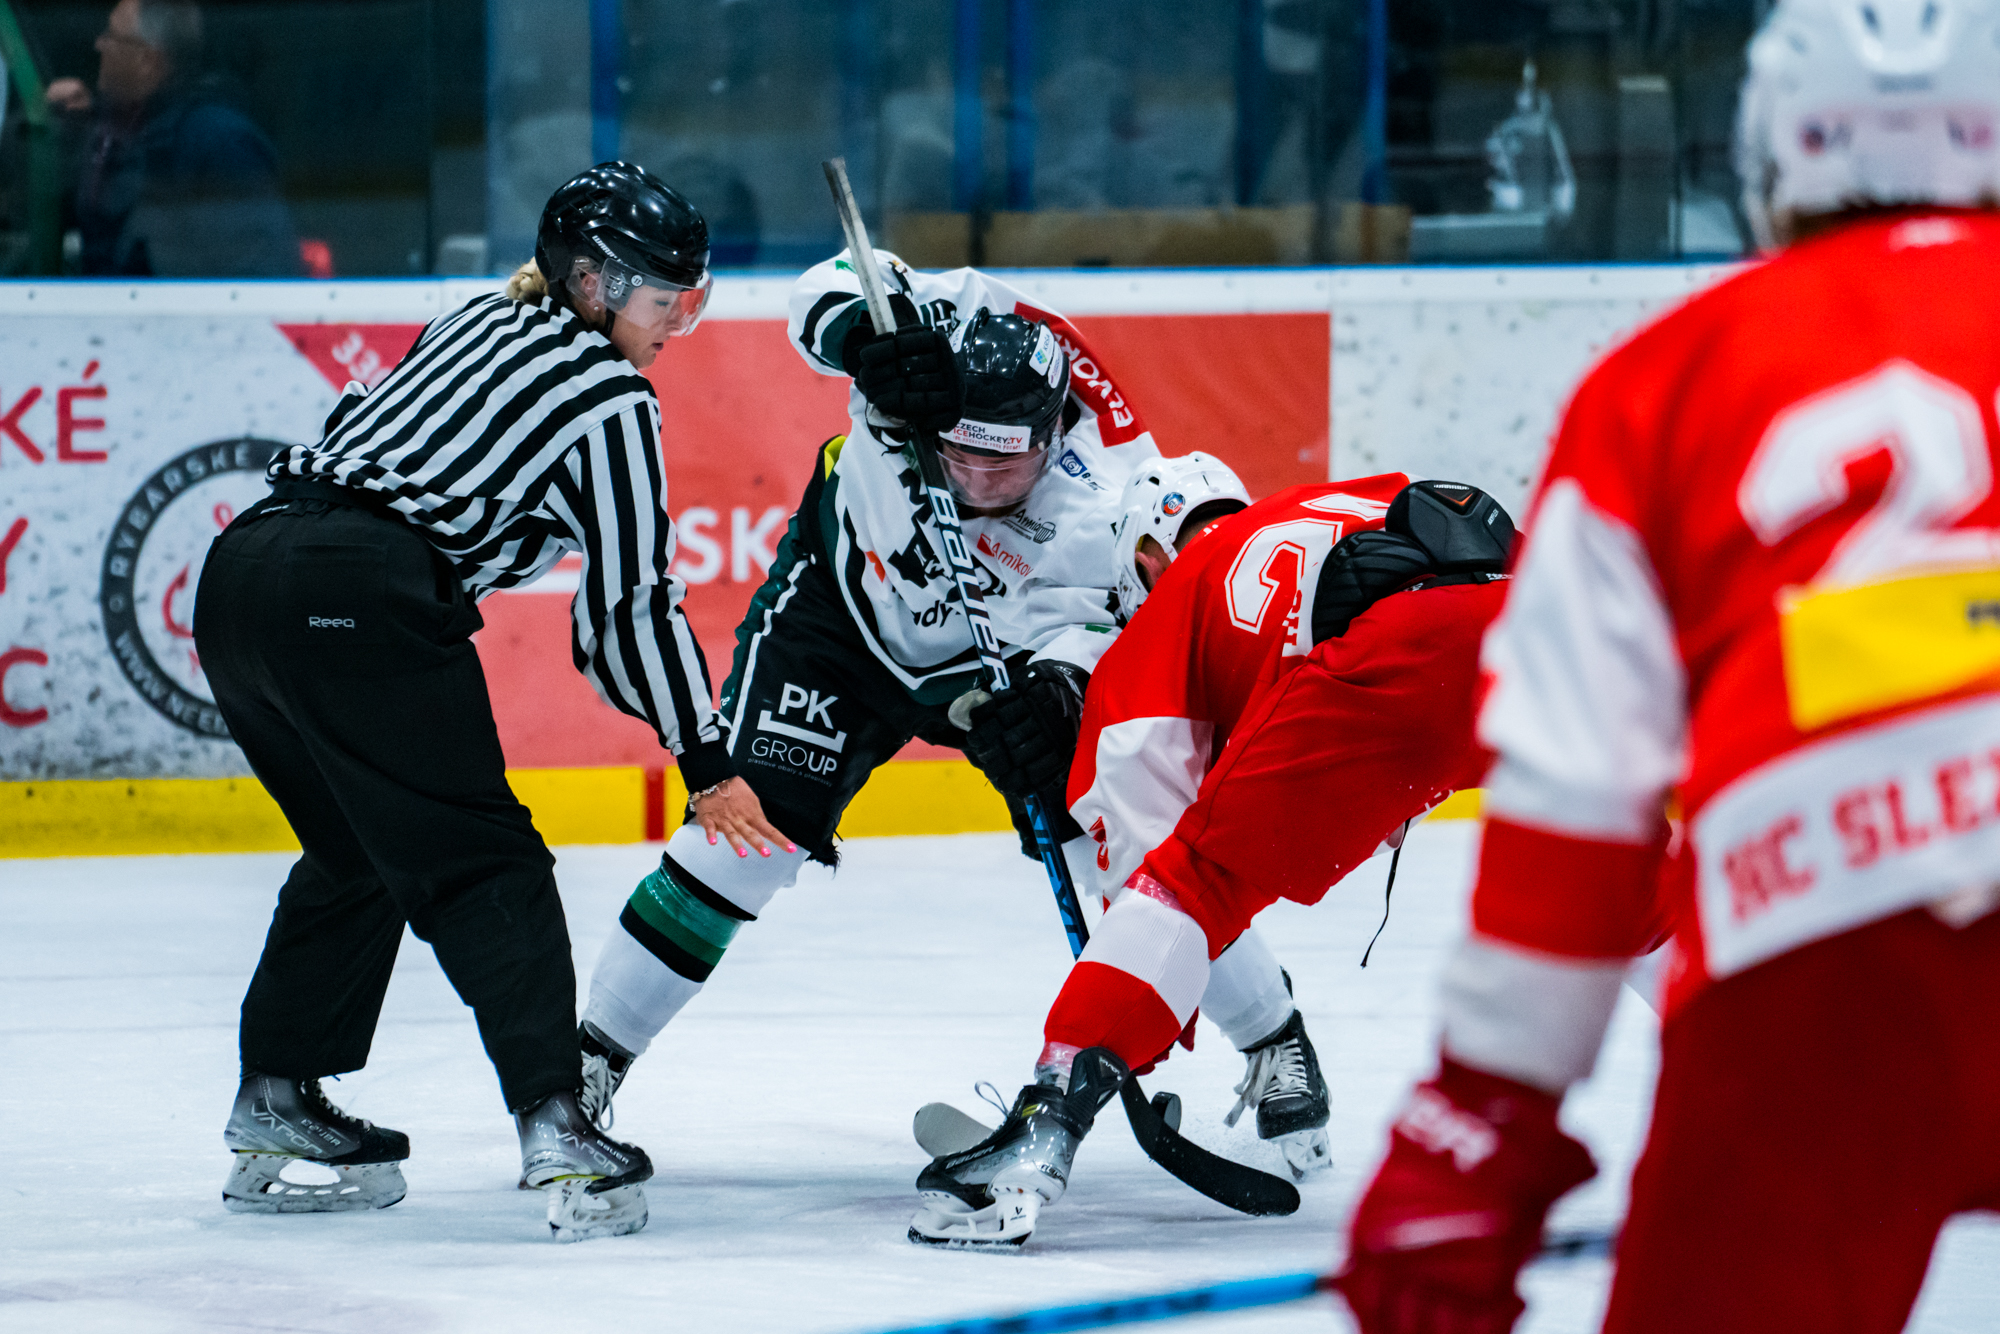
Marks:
<point>1372,729</point>
<point>1818,1118</point>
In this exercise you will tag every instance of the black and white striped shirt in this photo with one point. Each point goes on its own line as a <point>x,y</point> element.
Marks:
<point>511,433</point>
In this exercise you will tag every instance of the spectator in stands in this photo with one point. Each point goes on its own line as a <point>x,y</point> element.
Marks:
<point>174,181</point>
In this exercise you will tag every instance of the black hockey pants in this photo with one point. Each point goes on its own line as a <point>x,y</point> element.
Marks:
<point>812,712</point>
<point>337,641</point>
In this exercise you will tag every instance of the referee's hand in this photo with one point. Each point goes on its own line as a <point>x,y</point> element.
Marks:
<point>734,812</point>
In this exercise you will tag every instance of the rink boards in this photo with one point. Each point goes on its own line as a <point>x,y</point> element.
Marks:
<point>135,420</point>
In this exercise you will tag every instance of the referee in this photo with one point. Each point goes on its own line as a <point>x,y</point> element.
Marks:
<point>334,621</point>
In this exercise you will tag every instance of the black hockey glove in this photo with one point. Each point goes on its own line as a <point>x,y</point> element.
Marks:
<point>910,374</point>
<point>1024,738</point>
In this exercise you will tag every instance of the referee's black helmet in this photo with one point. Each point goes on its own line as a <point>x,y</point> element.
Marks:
<point>621,213</point>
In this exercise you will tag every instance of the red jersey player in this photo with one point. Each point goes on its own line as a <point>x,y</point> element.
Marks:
<point>1269,667</point>
<point>1762,573</point>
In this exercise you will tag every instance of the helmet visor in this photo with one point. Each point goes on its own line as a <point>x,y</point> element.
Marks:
<point>986,481</point>
<point>659,307</point>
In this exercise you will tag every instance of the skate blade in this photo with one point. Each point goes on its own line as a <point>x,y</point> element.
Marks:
<point>255,1186</point>
<point>576,1214</point>
<point>946,1220</point>
<point>1306,1152</point>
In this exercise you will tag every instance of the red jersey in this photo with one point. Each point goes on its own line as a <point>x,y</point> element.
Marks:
<point>1227,617</point>
<point>1762,572</point>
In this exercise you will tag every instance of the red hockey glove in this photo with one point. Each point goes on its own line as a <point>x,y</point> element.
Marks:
<point>1474,1163</point>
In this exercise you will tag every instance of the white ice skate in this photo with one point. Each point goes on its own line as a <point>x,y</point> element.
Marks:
<point>336,1162</point>
<point>992,1193</point>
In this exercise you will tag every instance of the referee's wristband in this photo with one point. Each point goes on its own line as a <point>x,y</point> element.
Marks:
<point>706,764</point>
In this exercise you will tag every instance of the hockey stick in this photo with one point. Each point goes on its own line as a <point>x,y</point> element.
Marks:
<point>1238,1185</point>
<point>1227,1182</point>
<point>944,513</point>
<point>1239,1295</point>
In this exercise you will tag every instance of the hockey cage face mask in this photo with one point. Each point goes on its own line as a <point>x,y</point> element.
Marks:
<point>646,300</point>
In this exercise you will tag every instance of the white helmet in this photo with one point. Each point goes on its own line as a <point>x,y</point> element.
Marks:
<point>1159,496</point>
<point>1870,102</point>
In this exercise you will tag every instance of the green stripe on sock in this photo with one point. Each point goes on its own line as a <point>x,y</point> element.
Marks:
<point>682,918</point>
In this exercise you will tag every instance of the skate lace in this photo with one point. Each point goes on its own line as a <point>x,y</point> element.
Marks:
<point>1274,1071</point>
<point>315,1100</point>
<point>595,1100</point>
<point>985,1089</point>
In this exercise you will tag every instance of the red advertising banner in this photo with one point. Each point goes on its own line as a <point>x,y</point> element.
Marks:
<point>743,419</point>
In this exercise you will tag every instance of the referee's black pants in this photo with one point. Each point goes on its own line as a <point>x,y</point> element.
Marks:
<point>337,641</point>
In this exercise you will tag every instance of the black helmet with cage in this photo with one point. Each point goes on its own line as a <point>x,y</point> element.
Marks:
<point>643,247</point>
<point>1016,383</point>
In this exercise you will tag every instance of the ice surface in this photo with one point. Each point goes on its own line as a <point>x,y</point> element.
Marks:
<point>777,1109</point>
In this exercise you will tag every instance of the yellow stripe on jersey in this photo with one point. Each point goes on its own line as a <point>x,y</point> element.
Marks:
<point>830,453</point>
<point>1851,651</point>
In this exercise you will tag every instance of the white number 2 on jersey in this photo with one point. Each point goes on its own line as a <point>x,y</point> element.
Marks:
<point>1255,585</point>
<point>1941,469</point>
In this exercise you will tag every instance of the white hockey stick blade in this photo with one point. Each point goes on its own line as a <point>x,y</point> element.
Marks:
<point>941,1129</point>
<point>577,1215</point>
<point>256,1186</point>
<point>961,708</point>
<point>1306,1152</point>
<point>946,1220</point>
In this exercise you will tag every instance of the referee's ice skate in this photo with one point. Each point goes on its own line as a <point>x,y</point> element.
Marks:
<point>604,1067</point>
<point>592,1180</point>
<point>992,1194</point>
<point>288,1123</point>
<point>1283,1082</point>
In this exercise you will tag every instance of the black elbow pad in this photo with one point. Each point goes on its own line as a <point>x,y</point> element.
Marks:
<point>1464,530</point>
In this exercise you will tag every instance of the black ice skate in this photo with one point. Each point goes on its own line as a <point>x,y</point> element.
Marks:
<point>278,1123</point>
<point>604,1067</point>
<point>992,1193</point>
<point>1283,1083</point>
<point>592,1180</point>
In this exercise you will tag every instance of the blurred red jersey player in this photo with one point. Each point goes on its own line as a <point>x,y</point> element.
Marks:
<point>1761,573</point>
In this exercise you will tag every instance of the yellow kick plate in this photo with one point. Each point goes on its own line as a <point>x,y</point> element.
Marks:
<point>1851,651</point>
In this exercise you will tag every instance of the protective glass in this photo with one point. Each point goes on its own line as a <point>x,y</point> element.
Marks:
<point>653,304</point>
<point>979,480</point>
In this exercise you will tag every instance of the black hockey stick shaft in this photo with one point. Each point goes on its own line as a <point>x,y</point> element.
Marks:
<point>951,536</point>
<point>1241,1187</point>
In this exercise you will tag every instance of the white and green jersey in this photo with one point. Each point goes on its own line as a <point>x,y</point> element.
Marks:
<point>1046,569</point>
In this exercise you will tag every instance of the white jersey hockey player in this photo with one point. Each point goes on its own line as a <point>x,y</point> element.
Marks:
<point>856,642</point>
<point>1040,501</point>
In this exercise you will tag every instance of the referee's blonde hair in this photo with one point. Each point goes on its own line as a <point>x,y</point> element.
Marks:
<point>529,283</point>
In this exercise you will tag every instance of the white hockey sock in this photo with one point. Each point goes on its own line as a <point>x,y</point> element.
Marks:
<point>1246,994</point>
<point>674,930</point>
